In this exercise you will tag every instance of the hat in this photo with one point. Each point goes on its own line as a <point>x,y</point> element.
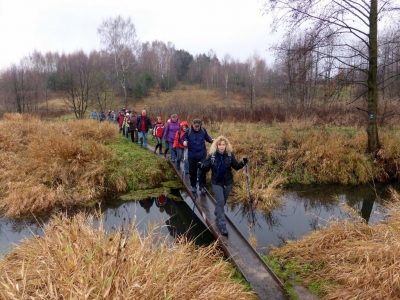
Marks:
<point>127,114</point>
<point>184,123</point>
<point>197,121</point>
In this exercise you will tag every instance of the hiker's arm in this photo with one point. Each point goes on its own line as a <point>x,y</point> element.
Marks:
<point>207,137</point>
<point>235,164</point>
<point>184,137</point>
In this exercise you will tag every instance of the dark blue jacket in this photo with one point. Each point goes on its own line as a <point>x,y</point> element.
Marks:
<point>196,147</point>
<point>212,164</point>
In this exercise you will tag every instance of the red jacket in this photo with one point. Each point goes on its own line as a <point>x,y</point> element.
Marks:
<point>178,135</point>
<point>158,129</point>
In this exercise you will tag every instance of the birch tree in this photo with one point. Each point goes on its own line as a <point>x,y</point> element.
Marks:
<point>118,37</point>
<point>346,25</point>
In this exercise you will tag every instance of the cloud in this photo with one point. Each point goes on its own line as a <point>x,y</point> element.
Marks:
<point>226,26</point>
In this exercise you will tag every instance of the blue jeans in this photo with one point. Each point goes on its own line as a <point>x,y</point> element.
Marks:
<point>159,141</point>
<point>179,153</point>
<point>127,131</point>
<point>143,139</point>
<point>169,145</point>
<point>221,194</point>
<point>185,161</point>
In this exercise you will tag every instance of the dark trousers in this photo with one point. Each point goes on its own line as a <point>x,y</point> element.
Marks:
<point>134,136</point>
<point>193,172</point>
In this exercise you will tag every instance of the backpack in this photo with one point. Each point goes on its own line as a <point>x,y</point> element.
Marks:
<point>168,123</point>
<point>190,130</point>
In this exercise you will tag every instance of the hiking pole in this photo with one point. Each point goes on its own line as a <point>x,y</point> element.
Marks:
<point>195,193</point>
<point>250,199</point>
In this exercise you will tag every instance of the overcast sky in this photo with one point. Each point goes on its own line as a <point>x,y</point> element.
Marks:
<point>236,27</point>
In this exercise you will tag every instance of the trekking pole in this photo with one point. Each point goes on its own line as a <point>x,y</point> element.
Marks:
<point>250,198</point>
<point>195,193</point>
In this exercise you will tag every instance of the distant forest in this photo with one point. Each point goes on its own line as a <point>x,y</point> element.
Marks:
<point>305,74</point>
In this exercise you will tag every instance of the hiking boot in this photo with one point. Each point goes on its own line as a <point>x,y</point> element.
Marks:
<point>194,190</point>
<point>203,190</point>
<point>223,231</point>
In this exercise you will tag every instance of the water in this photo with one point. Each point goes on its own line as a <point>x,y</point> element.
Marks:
<point>303,209</point>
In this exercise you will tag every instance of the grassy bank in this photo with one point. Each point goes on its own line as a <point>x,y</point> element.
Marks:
<point>75,260</point>
<point>299,153</point>
<point>68,164</point>
<point>72,163</point>
<point>348,259</point>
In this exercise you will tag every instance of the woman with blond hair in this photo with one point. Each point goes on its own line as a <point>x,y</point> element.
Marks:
<point>220,161</point>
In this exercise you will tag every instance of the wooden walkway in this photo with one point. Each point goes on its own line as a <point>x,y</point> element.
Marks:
<point>261,278</point>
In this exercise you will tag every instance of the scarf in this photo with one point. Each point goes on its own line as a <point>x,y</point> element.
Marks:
<point>221,165</point>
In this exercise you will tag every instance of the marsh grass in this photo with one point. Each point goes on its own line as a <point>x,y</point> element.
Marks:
<point>350,259</point>
<point>299,152</point>
<point>75,163</point>
<point>75,260</point>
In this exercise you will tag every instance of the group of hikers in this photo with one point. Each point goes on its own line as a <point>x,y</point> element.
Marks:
<point>187,143</point>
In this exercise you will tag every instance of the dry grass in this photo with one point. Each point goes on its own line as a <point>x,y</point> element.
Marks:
<point>300,152</point>
<point>45,164</point>
<point>74,260</point>
<point>361,259</point>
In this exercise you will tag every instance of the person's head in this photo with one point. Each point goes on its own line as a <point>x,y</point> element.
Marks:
<point>159,119</point>
<point>127,114</point>
<point>144,112</point>
<point>196,124</point>
<point>174,117</point>
<point>220,144</point>
<point>184,125</point>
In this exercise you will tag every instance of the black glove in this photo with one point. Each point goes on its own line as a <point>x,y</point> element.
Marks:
<point>200,164</point>
<point>245,160</point>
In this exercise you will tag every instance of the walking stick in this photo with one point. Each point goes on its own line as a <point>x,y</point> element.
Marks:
<point>250,198</point>
<point>195,193</point>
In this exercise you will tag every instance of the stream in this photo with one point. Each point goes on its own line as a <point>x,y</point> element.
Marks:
<point>304,208</point>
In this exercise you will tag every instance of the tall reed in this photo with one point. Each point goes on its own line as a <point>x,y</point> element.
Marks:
<point>350,259</point>
<point>76,260</point>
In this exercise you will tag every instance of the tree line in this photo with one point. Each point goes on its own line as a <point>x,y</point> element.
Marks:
<point>330,56</point>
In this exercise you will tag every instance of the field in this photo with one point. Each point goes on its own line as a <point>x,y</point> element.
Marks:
<point>86,161</point>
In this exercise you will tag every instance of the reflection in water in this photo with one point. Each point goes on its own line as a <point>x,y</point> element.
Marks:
<point>308,208</point>
<point>366,209</point>
<point>147,204</point>
<point>304,209</point>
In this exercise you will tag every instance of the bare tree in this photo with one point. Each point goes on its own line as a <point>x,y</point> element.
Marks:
<point>226,72</point>
<point>346,25</point>
<point>77,78</point>
<point>251,77</point>
<point>118,37</point>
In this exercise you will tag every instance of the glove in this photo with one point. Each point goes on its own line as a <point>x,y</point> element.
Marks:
<point>245,160</point>
<point>200,164</point>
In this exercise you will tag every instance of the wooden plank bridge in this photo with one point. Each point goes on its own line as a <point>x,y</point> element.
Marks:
<point>235,246</point>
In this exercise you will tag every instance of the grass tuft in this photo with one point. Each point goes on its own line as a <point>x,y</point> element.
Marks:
<point>75,260</point>
<point>349,258</point>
